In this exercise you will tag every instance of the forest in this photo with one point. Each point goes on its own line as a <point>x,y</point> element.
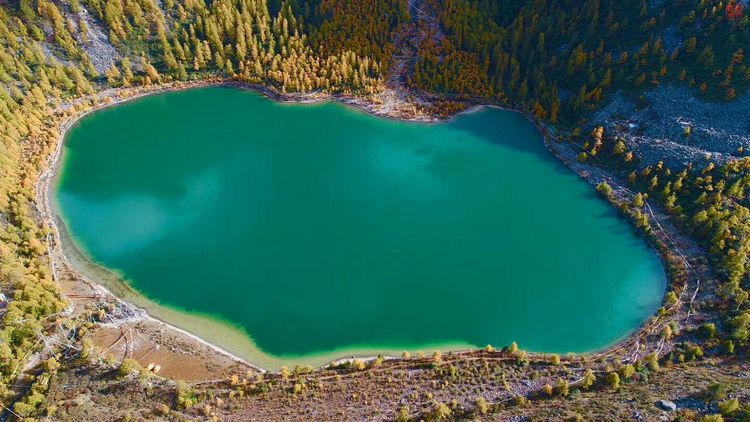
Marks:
<point>558,60</point>
<point>709,203</point>
<point>563,59</point>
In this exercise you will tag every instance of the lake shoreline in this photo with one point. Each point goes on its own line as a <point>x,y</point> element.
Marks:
<point>112,285</point>
<point>46,203</point>
<point>47,180</point>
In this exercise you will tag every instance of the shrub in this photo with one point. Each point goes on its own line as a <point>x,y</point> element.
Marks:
<point>51,365</point>
<point>628,371</point>
<point>728,347</point>
<point>588,380</point>
<point>666,332</point>
<point>298,386</point>
<point>482,405</point>
<point>161,410</point>
<point>88,350</point>
<point>638,200</point>
<point>613,380</point>
<point>303,369</point>
<point>555,359</point>
<point>403,414</point>
<point>127,367</point>
<point>185,395</point>
<point>442,411</point>
<point>358,365</point>
<point>714,393</point>
<point>707,330</point>
<point>547,389</point>
<point>23,409</point>
<point>652,360</point>
<point>604,189</point>
<point>694,352</point>
<point>728,407</point>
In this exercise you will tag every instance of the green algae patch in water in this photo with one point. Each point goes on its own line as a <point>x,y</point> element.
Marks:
<point>319,231</point>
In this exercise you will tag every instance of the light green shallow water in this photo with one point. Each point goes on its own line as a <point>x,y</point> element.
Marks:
<point>317,228</point>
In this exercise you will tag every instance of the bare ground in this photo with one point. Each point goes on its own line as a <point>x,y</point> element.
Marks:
<point>87,393</point>
<point>656,128</point>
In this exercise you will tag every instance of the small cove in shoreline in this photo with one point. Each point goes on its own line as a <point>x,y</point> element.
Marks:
<point>475,131</point>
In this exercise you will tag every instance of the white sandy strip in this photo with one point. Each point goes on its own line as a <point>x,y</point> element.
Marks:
<point>43,187</point>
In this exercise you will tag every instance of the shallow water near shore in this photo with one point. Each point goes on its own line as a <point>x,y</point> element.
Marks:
<point>298,233</point>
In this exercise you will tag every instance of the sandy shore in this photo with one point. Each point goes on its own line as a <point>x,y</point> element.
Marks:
<point>210,346</point>
<point>89,286</point>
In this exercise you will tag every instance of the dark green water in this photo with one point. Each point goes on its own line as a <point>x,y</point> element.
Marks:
<point>317,227</point>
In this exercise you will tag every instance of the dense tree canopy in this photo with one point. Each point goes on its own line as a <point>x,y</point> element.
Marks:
<point>562,58</point>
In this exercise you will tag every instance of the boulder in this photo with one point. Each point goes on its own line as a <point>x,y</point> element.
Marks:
<point>666,405</point>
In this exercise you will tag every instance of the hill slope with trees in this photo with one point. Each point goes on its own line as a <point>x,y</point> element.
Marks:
<point>559,61</point>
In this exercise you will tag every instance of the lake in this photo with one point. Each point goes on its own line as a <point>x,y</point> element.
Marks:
<point>319,230</point>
